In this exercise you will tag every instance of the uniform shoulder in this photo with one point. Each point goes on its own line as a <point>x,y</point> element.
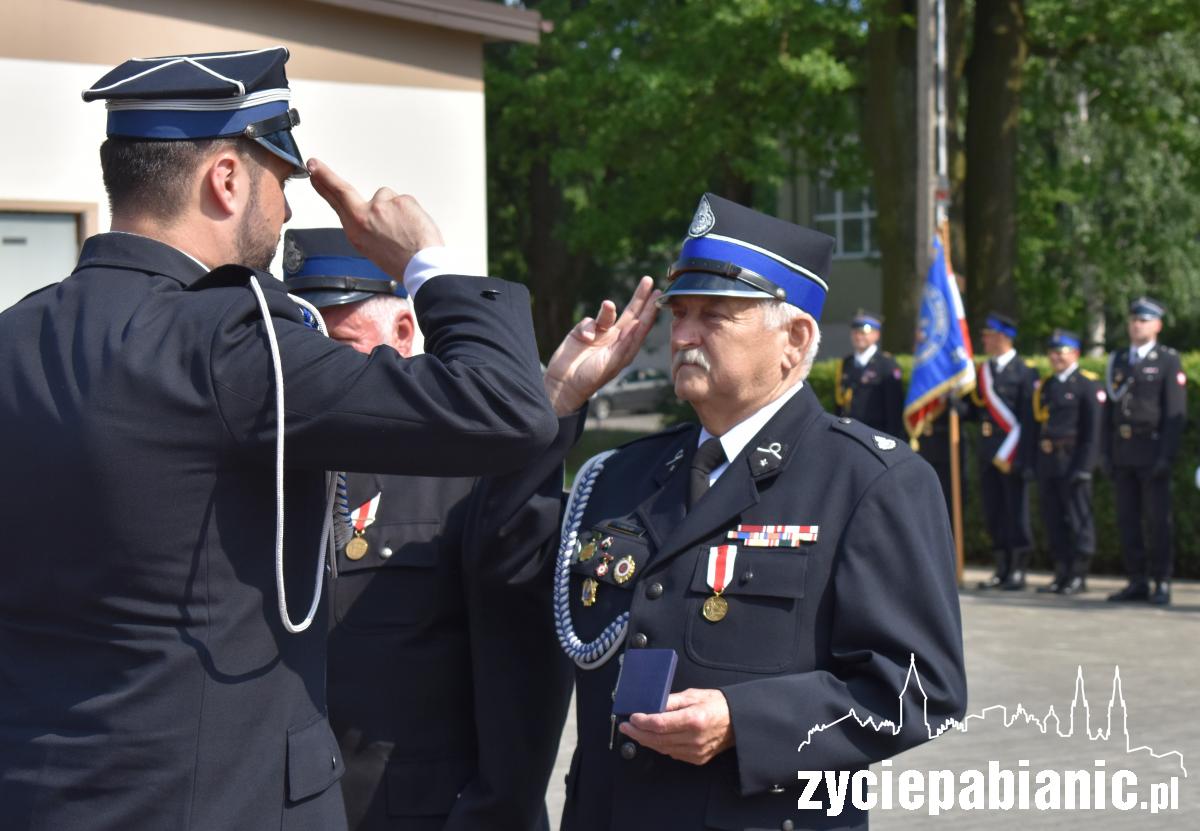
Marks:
<point>641,453</point>
<point>889,450</point>
<point>888,357</point>
<point>1091,376</point>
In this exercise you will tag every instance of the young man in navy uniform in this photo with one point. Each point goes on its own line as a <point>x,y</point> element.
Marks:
<point>447,689</point>
<point>159,668</point>
<point>869,388</point>
<point>1066,407</point>
<point>1002,400</point>
<point>800,565</point>
<point>1147,393</point>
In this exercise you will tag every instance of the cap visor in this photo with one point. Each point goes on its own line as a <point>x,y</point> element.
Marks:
<point>699,282</point>
<point>283,145</point>
<point>336,297</point>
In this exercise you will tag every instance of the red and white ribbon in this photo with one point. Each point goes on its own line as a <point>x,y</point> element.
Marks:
<point>720,566</point>
<point>1004,418</point>
<point>364,514</point>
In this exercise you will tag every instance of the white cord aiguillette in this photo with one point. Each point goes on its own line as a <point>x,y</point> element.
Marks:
<point>335,482</point>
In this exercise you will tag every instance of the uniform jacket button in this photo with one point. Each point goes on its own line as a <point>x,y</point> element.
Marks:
<point>640,640</point>
<point>788,825</point>
<point>654,591</point>
<point>628,750</point>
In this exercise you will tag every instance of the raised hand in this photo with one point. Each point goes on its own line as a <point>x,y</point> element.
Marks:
<point>389,229</point>
<point>595,350</point>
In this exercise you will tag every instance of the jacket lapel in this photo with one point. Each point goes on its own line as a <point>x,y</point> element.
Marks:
<point>665,507</point>
<point>763,458</point>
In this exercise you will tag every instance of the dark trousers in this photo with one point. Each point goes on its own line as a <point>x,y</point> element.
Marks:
<point>939,458</point>
<point>1070,526</point>
<point>1143,499</point>
<point>1005,509</point>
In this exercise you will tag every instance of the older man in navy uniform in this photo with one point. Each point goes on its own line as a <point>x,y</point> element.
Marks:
<point>1143,423</point>
<point>447,690</point>
<point>1067,406</point>
<point>1003,400</point>
<point>799,565</point>
<point>868,387</point>
<point>159,668</point>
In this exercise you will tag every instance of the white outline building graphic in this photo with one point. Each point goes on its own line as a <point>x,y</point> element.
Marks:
<point>1043,722</point>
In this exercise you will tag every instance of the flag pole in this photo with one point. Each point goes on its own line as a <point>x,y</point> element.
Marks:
<point>942,200</point>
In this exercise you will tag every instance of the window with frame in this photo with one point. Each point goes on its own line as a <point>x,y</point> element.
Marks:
<point>846,215</point>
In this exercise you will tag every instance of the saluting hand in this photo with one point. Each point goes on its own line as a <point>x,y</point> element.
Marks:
<point>389,229</point>
<point>597,349</point>
<point>694,728</point>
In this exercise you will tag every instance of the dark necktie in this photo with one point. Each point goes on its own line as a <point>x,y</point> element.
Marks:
<point>709,456</point>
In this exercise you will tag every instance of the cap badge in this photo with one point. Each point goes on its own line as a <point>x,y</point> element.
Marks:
<point>704,220</point>
<point>293,256</point>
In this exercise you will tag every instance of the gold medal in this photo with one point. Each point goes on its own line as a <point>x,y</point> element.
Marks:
<point>588,595</point>
<point>715,608</point>
<point>1047,446</point>
<point>624,569</point>
<point>356,549</point>
<point>985,429</point>
<point>587,552</point>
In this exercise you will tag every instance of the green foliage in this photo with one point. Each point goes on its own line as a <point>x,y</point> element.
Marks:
<point>1186,507</point>
<point>1110,164</point>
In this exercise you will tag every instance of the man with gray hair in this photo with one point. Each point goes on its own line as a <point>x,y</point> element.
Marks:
<point>731,591</point>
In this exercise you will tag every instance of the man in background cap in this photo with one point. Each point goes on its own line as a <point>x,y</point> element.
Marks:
<point>869,387</point>
<point>1003,406</point>
<point>1066,407</point>
<point>1147,393</point>
<point>155,676</point>
<point>795,563</point>
<point>447,689</point>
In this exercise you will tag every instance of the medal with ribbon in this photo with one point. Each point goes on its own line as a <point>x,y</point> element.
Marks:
<point>720,571</point>
<point>361,518</point>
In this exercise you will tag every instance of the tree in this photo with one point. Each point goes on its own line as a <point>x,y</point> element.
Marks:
<point>603,137</point>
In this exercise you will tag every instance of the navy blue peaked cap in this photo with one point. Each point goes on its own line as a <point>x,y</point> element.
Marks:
<point>1001,323</point>
<point>1147,309</point>
<point>1063,339</point>
<point>733,251</point>
<point>320,265</point>
<point>211,95</point>
<point>866,320</point>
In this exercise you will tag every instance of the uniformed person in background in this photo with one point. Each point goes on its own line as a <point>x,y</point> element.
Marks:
<point>1067,407</point>
<point>934,446</point>
<point>155,674</point>
<point>447,689</point>
<point>1147,394</point>
<point>1002,400</point>
<point>868,387</point>
<point>797,564</point>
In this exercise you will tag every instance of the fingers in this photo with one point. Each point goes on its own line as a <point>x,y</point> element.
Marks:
<point>340,194</point>
<point>637,303</point>
<point>607,316</point>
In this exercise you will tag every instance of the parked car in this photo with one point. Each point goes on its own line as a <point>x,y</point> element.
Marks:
<point>635,390</point>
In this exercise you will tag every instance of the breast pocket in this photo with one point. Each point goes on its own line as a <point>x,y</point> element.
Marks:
<point>759,630</point>
<point>395,582</point>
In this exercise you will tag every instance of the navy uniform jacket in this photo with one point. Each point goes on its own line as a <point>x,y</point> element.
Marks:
<point>447,688</point>
<point>148,682</point>
<point>873,394</point>
<point>1067,437</point>
<point>811,632</point>
<point>1147,408</point>
<point>1014,386</point>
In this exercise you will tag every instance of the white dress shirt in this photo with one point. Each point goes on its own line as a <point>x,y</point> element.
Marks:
<point>740,434</point>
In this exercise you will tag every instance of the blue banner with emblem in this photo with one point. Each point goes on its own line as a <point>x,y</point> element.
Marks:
<point>943,363</point>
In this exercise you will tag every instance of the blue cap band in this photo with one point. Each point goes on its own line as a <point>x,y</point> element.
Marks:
<point>1063,341</point>
<point>864,321</point>
<point>802,291</point>
<point>189,124</point>
<point>322,266</point>
<point>1001,327</point>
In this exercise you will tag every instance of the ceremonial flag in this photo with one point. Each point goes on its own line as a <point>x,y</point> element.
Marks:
<point>943,362</point>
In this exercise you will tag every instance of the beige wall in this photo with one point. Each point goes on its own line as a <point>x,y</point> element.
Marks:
<point>327,43</point>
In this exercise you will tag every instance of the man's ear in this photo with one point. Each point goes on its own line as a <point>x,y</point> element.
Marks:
<point>404,333</point>
<point>799,336</point>
<point>225,183</point>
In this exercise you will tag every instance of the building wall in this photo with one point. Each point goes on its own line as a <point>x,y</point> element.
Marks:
<point>382,101</point>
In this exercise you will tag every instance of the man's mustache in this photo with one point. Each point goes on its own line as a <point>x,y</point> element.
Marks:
<point>695,356</point>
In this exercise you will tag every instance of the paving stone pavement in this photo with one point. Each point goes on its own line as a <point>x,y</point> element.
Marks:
<point>1027,649</point>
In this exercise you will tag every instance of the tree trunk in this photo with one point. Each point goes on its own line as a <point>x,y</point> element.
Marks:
<point>889,129</point>
<point>990,205</point>
<point>555,274</point>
